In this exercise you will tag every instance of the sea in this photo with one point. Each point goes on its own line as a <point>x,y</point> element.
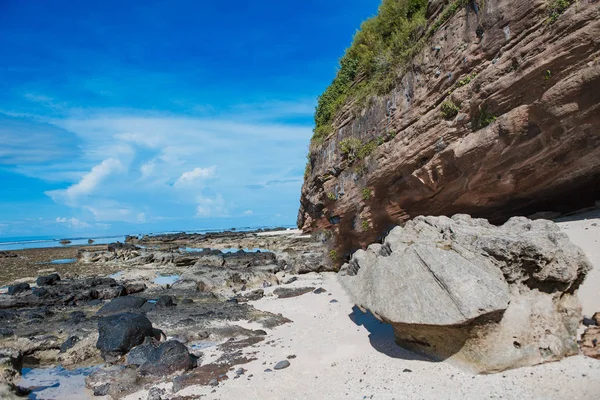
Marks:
<point>40,242</point>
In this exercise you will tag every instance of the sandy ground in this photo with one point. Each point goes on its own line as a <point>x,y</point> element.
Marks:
<point>342,353</point>
<point>584,231</point>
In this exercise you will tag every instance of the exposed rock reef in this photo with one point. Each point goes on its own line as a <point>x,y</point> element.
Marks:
<point>119,324</point>
<point>496,116</point>
<point>484,297</point>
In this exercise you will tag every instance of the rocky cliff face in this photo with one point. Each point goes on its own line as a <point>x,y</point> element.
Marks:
<point>498,115</point>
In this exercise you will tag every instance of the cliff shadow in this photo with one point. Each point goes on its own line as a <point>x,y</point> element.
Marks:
<point>382,337</point>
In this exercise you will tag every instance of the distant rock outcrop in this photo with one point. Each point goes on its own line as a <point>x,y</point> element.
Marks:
<point>484,297</point>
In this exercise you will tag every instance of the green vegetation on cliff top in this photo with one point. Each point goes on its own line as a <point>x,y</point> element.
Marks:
<point>384,44</point>
<point>370,65</point>
<point>367,67</point>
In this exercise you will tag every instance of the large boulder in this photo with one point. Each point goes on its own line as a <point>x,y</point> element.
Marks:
<point>484,297</point>
<point>119,333</point>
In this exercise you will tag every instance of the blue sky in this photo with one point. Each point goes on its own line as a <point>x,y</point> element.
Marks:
<point>138,116</point>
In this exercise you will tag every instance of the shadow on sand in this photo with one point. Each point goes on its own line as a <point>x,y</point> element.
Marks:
<point>381,336</point>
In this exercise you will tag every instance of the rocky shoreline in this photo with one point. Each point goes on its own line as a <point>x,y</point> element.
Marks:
<point>166,297</point>
<point>187,316</point>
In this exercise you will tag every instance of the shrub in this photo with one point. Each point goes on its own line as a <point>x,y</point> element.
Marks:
<point>331,196</point>
<point>367,148</point>
<point>367,194</point>
<point>483,119</point>
<point>333,255</point>
<point>349,148</point>
<point>365,225</point>
<point>557,8</point>
<point>360,169</point>
<point>449,110</point>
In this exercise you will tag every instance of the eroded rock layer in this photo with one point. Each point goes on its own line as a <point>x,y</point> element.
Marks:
<point>519,132</point>
<point>484,297</point>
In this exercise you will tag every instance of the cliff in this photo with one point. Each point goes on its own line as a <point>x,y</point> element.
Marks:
<point>491,109</point>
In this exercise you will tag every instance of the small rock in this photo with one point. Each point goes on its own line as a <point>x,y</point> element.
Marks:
<point>291,357</point>
<point>259,332</point>
<point>268,370</point>
<point>291,280</point>
<point>48,280</point>
<point>319,291</point>
<point>156,393</point>
<point>589,321</point>
<point>165,301</point>
<point>333,301</point>
<point>406,370</point>
<point>69,343</point>
<point>213,382</point>
<point>187,301</point>
<point>18,288</point>
<point>282,365</point>
<point>203,335</point>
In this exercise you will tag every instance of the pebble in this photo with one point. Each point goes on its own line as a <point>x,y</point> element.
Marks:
<point>213,382</point>
<point>268,370</point>
<point>407,370</point>
<point>282,364</point>
<point>333,301</point>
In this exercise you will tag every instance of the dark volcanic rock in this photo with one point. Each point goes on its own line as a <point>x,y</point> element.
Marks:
<point>120,333</point>
<point>136,287</point>
<point>120,304</point>
<point>19,288</point>
<point>284,293</point>
<point>69,343</point>
<point>145,352</point>
<point>48,280</point>
<point>168,358</point>
<point>165,301</point>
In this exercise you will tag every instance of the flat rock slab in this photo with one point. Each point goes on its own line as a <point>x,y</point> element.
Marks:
<point>284,293</point>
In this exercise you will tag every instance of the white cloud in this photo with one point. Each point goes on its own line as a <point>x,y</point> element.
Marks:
<point>88,183</point>
<point>147,169</point>
<point>207,207</point>
<point>195,174</point>
<point>72,222</point>
<point>248,212</point>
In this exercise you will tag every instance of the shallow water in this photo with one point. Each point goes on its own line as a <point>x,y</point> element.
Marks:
<point>63,261</point>
<point>42,242</point>
<point>57,383</point>
<point>116,275</point>
<point>166,279</point>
